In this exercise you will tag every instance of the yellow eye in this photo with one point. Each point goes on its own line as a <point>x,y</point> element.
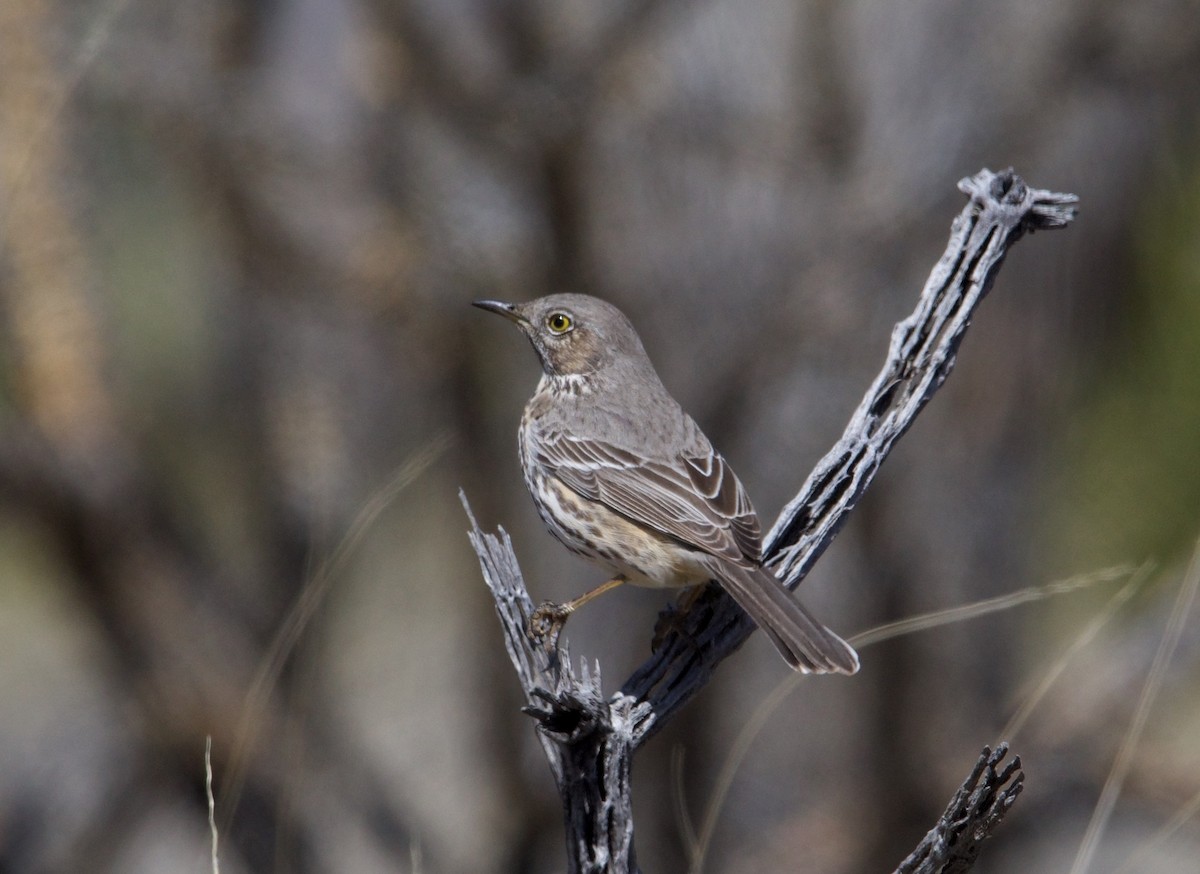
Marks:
<point>559,323</point>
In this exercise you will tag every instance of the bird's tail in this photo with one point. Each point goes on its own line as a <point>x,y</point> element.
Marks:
<point>805,643</point>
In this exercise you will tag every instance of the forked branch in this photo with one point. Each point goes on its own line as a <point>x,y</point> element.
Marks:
<point>976,809</point>
<point>589,739</point>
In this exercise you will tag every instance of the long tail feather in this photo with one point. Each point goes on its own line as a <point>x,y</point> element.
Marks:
<point>805,643</point>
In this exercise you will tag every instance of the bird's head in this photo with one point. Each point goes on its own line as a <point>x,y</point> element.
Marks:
<point>573,334</point>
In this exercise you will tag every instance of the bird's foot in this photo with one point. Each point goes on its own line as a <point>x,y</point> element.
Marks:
<point>546,624</point>
<point>547,621</point>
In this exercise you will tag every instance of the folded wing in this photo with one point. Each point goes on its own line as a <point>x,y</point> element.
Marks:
<point>698,500</point>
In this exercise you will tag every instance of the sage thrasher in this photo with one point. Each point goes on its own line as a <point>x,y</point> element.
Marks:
<point>623,476</point>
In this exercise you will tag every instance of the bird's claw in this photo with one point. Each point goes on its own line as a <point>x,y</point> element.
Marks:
<point>546,624</point>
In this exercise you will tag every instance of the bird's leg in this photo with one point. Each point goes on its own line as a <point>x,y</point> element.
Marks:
<point>547,621</point>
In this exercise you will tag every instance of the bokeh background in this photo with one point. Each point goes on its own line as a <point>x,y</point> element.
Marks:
<point>237,245</point>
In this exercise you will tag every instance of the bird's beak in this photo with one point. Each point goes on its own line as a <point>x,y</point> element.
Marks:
<point>508,310</point>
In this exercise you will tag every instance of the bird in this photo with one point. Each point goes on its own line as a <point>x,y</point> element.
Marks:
<point>622,476</point>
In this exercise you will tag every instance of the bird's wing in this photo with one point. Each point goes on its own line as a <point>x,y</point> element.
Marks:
<point>697,499</point>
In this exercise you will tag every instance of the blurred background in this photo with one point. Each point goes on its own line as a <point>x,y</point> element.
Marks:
<point>239,373</point>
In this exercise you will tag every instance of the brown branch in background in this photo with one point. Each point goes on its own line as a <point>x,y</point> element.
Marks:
<point>589,740</point>
<point>45,294</point>
<point>550,95</point>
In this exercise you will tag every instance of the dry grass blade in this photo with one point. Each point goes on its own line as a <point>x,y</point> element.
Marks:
<point>733,761</point>
<point>998,604</point>
<point>1137,859</point>
<point>687,829</point>
<point>1116,777</point>
<point>302,612</point>
<point>1101,619</point>
<point>881,633</point>
<point>212,803</point>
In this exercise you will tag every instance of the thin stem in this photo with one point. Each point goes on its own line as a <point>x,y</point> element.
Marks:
<point>212,803</point>
<point>1116,777</point>
<point>1101,619</point>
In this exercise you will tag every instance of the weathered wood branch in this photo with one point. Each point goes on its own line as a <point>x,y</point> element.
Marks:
<point>589,740</point>
<point>978,806</point>
<point>922,353</point>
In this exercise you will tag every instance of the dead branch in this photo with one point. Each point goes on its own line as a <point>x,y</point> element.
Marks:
<point>589,740</point>
<point>952,845</point>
